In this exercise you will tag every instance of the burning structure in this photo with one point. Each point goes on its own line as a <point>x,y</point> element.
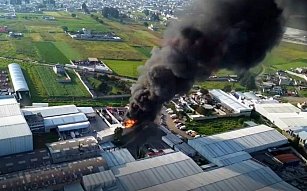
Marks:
<point>212,34</point>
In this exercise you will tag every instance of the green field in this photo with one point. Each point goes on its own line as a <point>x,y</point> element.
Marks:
<point>50,53</point>
<point>56,89</point>
<point>286,56</point>
<point>124,68</point>
<point>220,85</point>
<point>215,126</point>
<point>43,33</point>
<point>145,50</point>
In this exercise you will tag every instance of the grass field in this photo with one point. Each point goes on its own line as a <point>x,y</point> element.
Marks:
<point>145,50</point>
<point>50,53</point>
<point>68,51</point>
<point>286,56</point>
<point>56,89</point>
<point>124,68</point>
<point>220,85</point>
<point>211,127</point>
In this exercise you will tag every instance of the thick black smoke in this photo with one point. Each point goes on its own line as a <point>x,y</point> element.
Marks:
<point>212,34</point>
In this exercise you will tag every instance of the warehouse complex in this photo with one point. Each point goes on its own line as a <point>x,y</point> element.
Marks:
<point>15,134</point>
<point>235,146</point>
<point>176,171</point>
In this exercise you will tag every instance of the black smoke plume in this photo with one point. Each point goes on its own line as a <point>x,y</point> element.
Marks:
<point>211,35</point>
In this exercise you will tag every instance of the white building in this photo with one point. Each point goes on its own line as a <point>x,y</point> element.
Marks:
<point>15,134</point>
<point>231,147</point>
<point>283,115</point>
<point>230,102</point>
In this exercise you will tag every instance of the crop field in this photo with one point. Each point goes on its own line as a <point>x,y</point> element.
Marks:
<point>50,53</point>
<point>56,89</point>
<point>145,50</point>
<point>68,51</point>
<point>211,127</point>
<point>286,56</point>
<point>124,68</point>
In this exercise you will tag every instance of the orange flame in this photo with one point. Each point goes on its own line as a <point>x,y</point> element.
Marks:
<point>129,123</point>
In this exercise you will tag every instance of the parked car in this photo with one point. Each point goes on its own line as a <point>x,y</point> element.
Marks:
<point>183,127</point>
<point>173,116</point>
<point>176,121</point>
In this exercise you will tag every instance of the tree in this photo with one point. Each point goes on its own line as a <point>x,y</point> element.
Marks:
<point>65,28</point>
<point>73,15</point>
<point>248,80</point>
<point>146,24</point>
<point>227,88</point>
<point>155,17</point>
<point>146,12</point>
<point>118,133</point>
<point>110,12</point>
<point>85,8</point>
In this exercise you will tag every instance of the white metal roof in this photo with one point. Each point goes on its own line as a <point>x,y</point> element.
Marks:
<point>284,115</point>
<point>5,100</point>
<point>265,109</point>
<point>52,111</point>
<point>117,157</point>
<point>12,122</point>
<point>249,139</point>
<point>74,126</point>
<point>64,119</point>
<point>229,101</point>
<point>247,175</point>
<point>86,110</point>
<point>18,79</point>
<point>9,110</point>
<point>154,171</point>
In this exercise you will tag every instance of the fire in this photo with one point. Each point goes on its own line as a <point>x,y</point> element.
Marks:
<point>129,123</point>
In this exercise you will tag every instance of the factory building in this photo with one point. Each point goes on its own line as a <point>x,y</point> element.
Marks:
<point>234,146</point>
<point>15,134</point>
<point>230,102</point>
<point>75,149</point>
<point>284,115</point>
<point>248,175</point>
<point>20,85</point>
<point>176,171</point>
<point>65,118</point>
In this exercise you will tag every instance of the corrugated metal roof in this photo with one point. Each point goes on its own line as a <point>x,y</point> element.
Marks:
<point>186,149</point>
<point>172,138</point>
<point>12,122</point>
<point>229,101</point>
<point>154,171</point>
<point>103,179</point>
<point>280,108</point>
<point>74,126</point>
<point>65,119</point>
<point>15,130</point>
<point>5,100</point>
<point>9,110</point>
<point>247,175</point>
<point>249,139</point>
<point>73,187</point>
<point>118,157</point>
<point>86,110</point>
<point>18,79</point>
<point>52,111</point>
<point>232,158</point>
